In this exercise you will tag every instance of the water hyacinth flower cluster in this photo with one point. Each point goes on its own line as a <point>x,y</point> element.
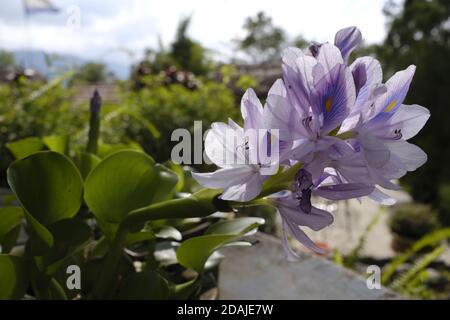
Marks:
<point>342,135</point>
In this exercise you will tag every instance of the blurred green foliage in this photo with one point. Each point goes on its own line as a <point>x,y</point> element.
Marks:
<point>91,73</point>
<point>184,53</point>
<point>25,111</point>
<point>172,107</point>
<point>413,220</point>
<point>263,40</point>
<point>419,33</point>
<point>6,59</point>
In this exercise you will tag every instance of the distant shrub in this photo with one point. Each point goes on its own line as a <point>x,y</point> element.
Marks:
<point>174,106</point>
<point>413,220</point>
<point>33,108</point>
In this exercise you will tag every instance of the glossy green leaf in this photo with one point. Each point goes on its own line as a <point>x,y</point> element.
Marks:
<point>9,240</point>
<point>57,143</point>
<point>10,217</point>
<point>235,226</point>
<point>194,253</point>
<point>145,285</point>
<point>40,239</point>
<point>136,237</point>
<point>69,236</point>
<point>48,186</point>
<point>13,279</point>
<point>125,181</point>
<point>185,290</point>
<point>86,162</point>
<point>25,147</point>
<point>178,169</point>
<point>106,149</point>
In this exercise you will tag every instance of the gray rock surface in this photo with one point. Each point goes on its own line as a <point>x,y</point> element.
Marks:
<point>262,272</point>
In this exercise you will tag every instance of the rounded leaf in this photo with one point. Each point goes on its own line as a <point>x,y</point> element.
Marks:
<point>48,186</point>
<point>145,285</point>
<point>12,277</point>
<point>57,143</point>
<point>25,147</point>
<point>125,181</point>
<point>10,218</point>
<point>86,162</point>
<point>235,226</point>
<point>195,252</point>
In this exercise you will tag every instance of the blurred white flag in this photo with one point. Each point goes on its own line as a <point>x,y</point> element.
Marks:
<point>35,6</point>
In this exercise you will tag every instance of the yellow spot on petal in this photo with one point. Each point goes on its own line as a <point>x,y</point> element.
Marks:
<point>328,104</point>
<point>390,106</point>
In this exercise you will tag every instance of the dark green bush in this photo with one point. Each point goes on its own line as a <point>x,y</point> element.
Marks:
<point>413,220</point>
<point>172,107</point>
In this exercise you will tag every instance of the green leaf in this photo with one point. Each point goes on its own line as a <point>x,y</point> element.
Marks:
<point>125,110</point>
<point>48,186</point>
<point>57,143</point>
<point>235,226</point>
<point>431,239</point>
<point>106,149</point>
<point>10,217</point>
<point>178,169</point>
<point>125,181</point>
<point>13,280</point>
<point>86,162</point>
<point>184,291</point>
<point>194,253</point>
<point>136,237</point>
<point>40,240</point>
<point>10,239</point>
<point>145,285</point>
<point>69,236</point>
<point>25,147</point>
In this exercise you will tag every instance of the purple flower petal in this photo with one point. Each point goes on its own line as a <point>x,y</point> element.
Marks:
<point>397,88</point>
<point>279,113</point>
<point>316,220</point>
<point>409,155</point>
<point>291,255</point>
<point>223,178</point>
<point>297,75</point>
<point>344,191</point>
<point>246,191</point>
<point>381,198</point>
<point>252,111</point>
<point>301,237</point>
<point>404,124</point>
<point>329,57</point>
<point>375,152</point>
<point>347,39</point>
<point>333,97</point>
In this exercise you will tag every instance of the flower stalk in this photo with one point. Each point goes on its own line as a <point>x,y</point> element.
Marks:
<point>94,122</point>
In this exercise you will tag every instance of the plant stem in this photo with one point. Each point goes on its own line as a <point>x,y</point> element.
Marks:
<point>199,204</point>
<point>94,122</point>
<point>103,288</point>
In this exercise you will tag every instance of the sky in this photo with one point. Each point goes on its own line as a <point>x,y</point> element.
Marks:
<point>119,31</point>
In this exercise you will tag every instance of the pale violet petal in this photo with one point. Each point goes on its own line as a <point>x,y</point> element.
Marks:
<point>252,111</point>
<point>223,178</point>
<point>245,191</point>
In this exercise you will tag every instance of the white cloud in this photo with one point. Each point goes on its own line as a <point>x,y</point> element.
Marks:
<point>108,27</point>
